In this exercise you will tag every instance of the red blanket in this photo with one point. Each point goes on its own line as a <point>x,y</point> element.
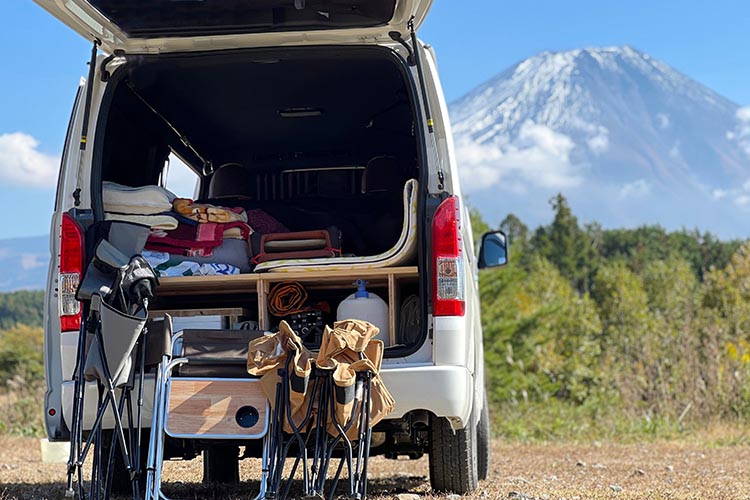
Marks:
<point>193,240</point>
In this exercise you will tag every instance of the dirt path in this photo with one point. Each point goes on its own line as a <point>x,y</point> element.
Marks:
<point>553,471</point>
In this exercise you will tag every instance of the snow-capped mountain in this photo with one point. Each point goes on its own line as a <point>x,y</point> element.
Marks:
<point>626,137</point>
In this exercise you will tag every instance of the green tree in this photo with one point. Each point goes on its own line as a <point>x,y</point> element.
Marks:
<point>22,307</point>
<point>516,231</point>
<point>21,353</point>
<point>566,245</point>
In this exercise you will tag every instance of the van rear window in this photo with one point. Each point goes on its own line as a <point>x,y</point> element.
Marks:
<point>174,18</point>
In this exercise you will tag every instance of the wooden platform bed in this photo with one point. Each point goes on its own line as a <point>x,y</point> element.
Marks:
<point>244,294</point>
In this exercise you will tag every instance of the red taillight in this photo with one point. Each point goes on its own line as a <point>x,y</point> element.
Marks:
<point>448,270</point>
<point>71,269</point>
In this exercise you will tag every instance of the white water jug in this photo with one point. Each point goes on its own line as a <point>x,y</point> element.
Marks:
<point>366,306</point>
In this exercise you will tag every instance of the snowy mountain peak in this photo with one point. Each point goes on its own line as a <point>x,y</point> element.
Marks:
<point>613,119</point>
<point>562,90</point>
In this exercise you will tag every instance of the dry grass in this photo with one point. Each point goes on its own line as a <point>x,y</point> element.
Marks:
<point>693,469</point>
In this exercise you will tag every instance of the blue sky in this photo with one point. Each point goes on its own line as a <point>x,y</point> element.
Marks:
<point>42,62</point>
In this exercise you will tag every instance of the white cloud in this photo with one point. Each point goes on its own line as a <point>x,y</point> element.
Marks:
<point>739,196</point>
<point>674,152</point>
<point>599,143</point>
<point>741,132</point>
<point>22,164</point>
<point>718,194</point>
<point>32,260</point>
<point>538,157</point>
<point>663,120</point>
<point>635,189</point>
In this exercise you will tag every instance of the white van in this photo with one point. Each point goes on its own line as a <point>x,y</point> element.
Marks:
<point>326,112</point>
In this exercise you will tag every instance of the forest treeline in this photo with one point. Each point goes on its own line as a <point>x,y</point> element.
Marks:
<point>21,308</point>
<point>642,322</point>
<point>21,362</point>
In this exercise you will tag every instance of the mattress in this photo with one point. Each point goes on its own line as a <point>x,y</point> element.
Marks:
<point>399,254</point>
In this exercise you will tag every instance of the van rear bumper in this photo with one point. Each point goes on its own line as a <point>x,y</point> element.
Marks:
<point>443,390</point>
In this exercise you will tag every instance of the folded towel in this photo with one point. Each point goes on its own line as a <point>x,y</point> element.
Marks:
<point>145,200</point>
<point>156,221</point>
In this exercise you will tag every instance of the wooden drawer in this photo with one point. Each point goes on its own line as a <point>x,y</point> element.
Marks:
<point>209,408</point>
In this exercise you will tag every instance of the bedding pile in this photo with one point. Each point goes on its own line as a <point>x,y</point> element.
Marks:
<point>207,241</point>
<point>190,238</point>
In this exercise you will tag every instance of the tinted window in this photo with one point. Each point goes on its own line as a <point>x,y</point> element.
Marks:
<point>158,18</point>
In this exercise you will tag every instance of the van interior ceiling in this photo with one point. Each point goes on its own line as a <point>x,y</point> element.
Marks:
<point>304,129</point>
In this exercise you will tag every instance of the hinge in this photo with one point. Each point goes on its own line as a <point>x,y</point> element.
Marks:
<point>105,74</point>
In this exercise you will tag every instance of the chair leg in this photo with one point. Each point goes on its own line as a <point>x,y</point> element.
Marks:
<point>154,438</point>
<point>76,431</point>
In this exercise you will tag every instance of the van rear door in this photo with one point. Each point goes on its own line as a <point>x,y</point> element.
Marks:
<point>143,26</point>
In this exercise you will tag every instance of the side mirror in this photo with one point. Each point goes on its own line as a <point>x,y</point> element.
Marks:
<point>494,250</point>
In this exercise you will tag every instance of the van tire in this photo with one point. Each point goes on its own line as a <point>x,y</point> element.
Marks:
<point>453,457</point>
<point>221,464</point>
<point>484,442</point>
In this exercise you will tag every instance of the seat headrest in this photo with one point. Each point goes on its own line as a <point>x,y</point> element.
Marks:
<point>231,180</point>
<point>382,173</point>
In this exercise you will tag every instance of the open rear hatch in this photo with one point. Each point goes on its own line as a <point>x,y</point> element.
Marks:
<point>138,26</point>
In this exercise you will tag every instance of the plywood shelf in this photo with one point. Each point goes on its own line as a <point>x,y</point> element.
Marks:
<point>204,294</point>
<point>251,283</point>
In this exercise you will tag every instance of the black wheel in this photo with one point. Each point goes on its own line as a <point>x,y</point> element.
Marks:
<point>484,442</point>
<point>221,464</point>
<point>453,457</point>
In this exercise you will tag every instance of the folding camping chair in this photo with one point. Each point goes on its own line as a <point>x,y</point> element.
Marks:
<point>323,407</point>
<point>203,392</point>
<point>115,291</point>
<point>314,442</point>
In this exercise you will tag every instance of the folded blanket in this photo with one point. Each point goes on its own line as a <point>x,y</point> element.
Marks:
<point>203,212</point>
<point>233,252</point>
<point>145,200</point>
<point>259,219</point>
<point>198,240</point>
<point>166,266</point>
<point>156,221</point>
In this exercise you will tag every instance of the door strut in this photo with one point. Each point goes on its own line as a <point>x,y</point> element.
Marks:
<point>86,119</point>
<point>426,103</point>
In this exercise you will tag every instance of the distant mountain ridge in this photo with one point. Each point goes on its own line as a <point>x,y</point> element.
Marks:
<point>24,263</point>
<point>626,137</point>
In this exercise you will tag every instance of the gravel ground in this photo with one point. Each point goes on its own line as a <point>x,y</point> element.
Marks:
<point>524,472</point>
